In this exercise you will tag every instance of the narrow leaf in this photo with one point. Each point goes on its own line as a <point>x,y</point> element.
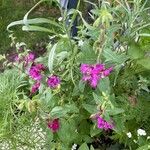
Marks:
<point>51,58</point>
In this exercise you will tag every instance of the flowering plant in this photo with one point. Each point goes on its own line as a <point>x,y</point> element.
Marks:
<point>85,91</point>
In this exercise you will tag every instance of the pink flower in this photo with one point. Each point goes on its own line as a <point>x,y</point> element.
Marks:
<point>85,68</point>
<point>53,125</point>
<point>107,72</point>
<point>35,87</point>
<point>35,71</point>
<point>53,81</point>
<point>30,57</point>
<point>16,58</point>
<point>103,124</point>
<point>35,74</point>
<point>40,67</point>
<point>93,73</point>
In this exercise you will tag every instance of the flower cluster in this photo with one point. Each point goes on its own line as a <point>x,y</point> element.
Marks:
<point>53,125</point>
<point>35,71</point>
<point>103,124</point>
<point>93,73</point>
<point>25,59</point>
<point>35,87</point>
<point>30,58</point>
<point>53,81</point>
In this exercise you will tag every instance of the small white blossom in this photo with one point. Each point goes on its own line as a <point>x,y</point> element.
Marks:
<point>134,141</point>
<point>148,138</point>
<point>60,19</point>
<point>74,147</point>
<point>129,134</point>
<point>141,132</point>
<point>80,43</point>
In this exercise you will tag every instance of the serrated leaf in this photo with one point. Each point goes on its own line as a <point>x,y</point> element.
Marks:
<point>67,132</point>
<point>90,108</point>
<point>87,55</point>
<point>115,111</point>
<point>135,52</point>
<point>81,86</point>
<point>112,56</point>
<point>58,111</point>
<point>98,99</point>
<point>94,131</point>
<point>104,85</point>
<point>71,108</point>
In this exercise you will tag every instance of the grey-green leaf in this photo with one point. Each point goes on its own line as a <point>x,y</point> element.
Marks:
<point>51,58</point>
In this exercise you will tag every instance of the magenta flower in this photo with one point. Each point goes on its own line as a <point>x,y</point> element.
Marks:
<point>107,72</point>
<point>103,124</point>
<point>93,73</point>
<point>53,81</point>
<point>30,57</point>
<point>86,68</point>
<point>35,87</point>
<point>35,71</point>
<point>53,125</point>
<point>40,67</point>
<point>16,58</point>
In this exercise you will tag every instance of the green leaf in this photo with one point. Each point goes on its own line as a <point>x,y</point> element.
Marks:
<point>81,86</point>
<point>67,132</point>
<point>33,21</point>
<point>87,55</point>
<point>112,56</point>
<point>71,108</point>
<point>98,99</point>
<point>115,111</point>
<point>135,52</point>
<point>104,85</point>
<point>145,62</point>
<point>49,135</point>
<point>83,147</point>
<point>61,56</point>
<point>51,58</point>
<point>94,131</point>
<point>37,28</point>
<point>2,57</point>
<point>91,147</point>
<point>58,112</point>
<point>90,108</point>
<point>88,26</point>
<point>144,34</point>
<point>145,147</point>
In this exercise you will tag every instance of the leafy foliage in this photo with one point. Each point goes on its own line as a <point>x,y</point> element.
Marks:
<point>121,98</point>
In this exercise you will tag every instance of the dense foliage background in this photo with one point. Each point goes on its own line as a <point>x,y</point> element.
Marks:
<point>85,92</point>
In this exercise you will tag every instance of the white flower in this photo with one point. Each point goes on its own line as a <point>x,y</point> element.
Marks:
<point>74,147</point>
<point>129,134</point>
<point>134,141</point>
<point>141,132</point>
<point>80,43</point>
<point>60,19</point>
<point>148,138</point>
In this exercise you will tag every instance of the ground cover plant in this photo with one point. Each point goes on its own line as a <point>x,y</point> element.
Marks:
<point>86,92</point>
